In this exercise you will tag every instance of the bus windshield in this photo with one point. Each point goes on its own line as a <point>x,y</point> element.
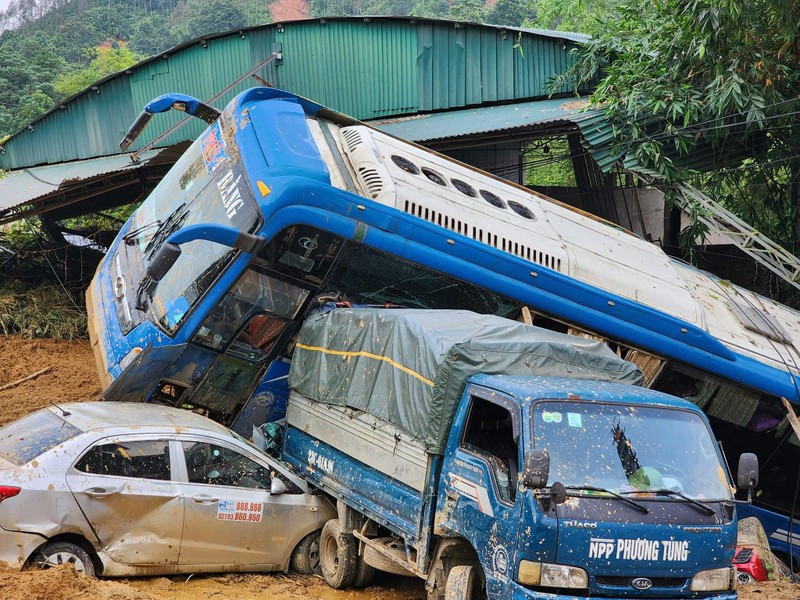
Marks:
<point>626,448</point>
<point>207,185</point>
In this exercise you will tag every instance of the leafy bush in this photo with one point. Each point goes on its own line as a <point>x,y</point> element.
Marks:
<point>47,311</point>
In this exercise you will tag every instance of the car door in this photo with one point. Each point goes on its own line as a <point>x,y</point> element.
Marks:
<point>231,518</point>
<point>125,490</point>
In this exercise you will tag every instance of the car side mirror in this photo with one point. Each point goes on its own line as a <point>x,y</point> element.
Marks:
<point>535,468</point>
<point>747,476</point>
<point>277,487</point>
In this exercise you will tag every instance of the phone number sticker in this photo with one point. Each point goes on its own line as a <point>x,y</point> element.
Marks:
<point>237,510</point>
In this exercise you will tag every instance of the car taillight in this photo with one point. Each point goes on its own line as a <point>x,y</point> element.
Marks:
<point>8,491</point>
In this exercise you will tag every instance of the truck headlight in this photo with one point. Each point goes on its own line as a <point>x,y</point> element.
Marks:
<point>713,580</point>
<point>550,575</point>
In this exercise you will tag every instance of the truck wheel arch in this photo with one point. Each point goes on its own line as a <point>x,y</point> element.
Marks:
<point>450,553</point>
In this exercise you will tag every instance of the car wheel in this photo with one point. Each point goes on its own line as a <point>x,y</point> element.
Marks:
<point>338,556</point>
<point>65,553</point>
<point>463,583</point>
<point>305,558</point>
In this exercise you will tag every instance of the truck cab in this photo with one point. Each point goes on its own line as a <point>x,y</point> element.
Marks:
<point>584,488</point>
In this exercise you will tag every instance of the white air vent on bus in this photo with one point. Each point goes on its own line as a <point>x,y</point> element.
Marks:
<point>479,234</point>
<point>373,177</point>
<point>371,181</point>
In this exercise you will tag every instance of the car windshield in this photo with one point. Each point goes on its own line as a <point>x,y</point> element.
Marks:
<point>206,185</point>
<point>629,449</point>
<point>33,435</point>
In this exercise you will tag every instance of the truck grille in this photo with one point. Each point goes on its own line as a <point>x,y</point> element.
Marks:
<point>658,582</point>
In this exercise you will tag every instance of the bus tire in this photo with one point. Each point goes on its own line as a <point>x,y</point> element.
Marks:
<point>463,583</point>
<point>338,556</point>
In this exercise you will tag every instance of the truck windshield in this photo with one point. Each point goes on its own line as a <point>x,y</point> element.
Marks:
<point>206,185</point>
<point>626,448</point>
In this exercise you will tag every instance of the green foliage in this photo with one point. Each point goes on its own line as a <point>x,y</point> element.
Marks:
<point>512,13</point>
<point>107,60</point>
<point>548,163</point>
<point>41,311</point>
<point>717,77</point>
<point>470,11</point>
<point>573,15</point>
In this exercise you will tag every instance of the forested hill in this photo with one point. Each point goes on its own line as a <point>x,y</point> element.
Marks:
<point>51,49</point>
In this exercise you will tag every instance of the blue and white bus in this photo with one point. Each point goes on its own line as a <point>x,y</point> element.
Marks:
<point>282,204</point>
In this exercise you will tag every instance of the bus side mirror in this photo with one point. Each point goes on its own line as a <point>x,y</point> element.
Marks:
<point>163,260</point>
<point>747,476</point>
<point>536,468</point>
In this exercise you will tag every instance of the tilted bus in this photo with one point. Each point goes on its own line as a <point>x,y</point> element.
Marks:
<point>282,204</point>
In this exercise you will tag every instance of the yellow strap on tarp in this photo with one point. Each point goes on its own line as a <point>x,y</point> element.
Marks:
<point>385,359</point>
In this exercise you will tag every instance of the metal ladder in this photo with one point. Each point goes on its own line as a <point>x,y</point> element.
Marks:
<point>742,235</point>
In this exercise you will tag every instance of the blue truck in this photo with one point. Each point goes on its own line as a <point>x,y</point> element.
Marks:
<point>497,459</point>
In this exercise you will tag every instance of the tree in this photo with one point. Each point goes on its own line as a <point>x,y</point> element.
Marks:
<point>573,15</point>
<point>107,60</point>
<point>470,11</point>
<point>512,13</point>
<point>721,76</point>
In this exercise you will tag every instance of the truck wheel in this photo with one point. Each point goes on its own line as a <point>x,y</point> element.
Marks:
<point>305,558</point>
<point>338,556</point>
<point>364,574</point>
<point>463,583</point>
<point>65,553</point>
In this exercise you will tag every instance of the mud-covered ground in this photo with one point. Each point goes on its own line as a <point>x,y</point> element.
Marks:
<point>72,377</point>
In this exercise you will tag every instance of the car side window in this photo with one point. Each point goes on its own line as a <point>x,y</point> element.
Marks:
<point>141,459</point>
<point>216,465</point>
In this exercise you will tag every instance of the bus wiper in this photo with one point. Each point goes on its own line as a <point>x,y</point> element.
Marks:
<point>667,492</point>
<point>589,488</point>
<point>170,224</point>
<point>131,237</point>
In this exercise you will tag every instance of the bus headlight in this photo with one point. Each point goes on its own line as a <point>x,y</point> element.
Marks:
<point>713,580</point>
<point>550,575</point>
<point>129,358</point>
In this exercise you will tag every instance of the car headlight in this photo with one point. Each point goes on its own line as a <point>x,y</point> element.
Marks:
<point>550,575</point>
<point>713,580</point>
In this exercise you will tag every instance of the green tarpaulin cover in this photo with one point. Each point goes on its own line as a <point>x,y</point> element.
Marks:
<point>410,367</point>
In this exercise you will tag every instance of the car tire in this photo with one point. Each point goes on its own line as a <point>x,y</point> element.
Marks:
<point>55,554</point>
<point>463,583</point>
<point>364,574</point>
<point>338,556</point>
<point>305,558</point>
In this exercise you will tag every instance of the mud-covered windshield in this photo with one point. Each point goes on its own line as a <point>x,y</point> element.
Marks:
<point>207,185</point>
<point>629,448</point>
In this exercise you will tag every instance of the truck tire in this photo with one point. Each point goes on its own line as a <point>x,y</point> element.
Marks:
<point>305,557</point>
<point>338,556</point>
<point>364,574</point>
<point>55,554</point>
<point>463,583</point>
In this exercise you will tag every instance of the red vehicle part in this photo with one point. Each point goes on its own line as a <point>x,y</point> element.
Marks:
<point>749,565</point>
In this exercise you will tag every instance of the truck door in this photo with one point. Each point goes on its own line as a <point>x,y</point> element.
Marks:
<point>479,491</point>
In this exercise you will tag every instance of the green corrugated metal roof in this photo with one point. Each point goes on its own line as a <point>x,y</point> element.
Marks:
<point>474,121</point>
<point>366,67</point>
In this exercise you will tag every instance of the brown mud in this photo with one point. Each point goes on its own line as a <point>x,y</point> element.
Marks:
<point>73,378</point>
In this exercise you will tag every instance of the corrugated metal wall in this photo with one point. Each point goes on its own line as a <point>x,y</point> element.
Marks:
<point>365,67</point>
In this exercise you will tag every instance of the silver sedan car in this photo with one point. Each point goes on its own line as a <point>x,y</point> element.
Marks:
<point>138,489</point>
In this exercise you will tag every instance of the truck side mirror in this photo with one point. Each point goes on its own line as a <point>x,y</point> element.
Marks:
<point>536,468</point>
<point>747,476</point>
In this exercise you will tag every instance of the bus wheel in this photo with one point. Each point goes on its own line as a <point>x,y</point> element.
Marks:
<point>463,583</point>
<point>338,556</point>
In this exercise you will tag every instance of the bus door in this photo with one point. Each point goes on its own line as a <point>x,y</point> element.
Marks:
<point>247,329</point>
